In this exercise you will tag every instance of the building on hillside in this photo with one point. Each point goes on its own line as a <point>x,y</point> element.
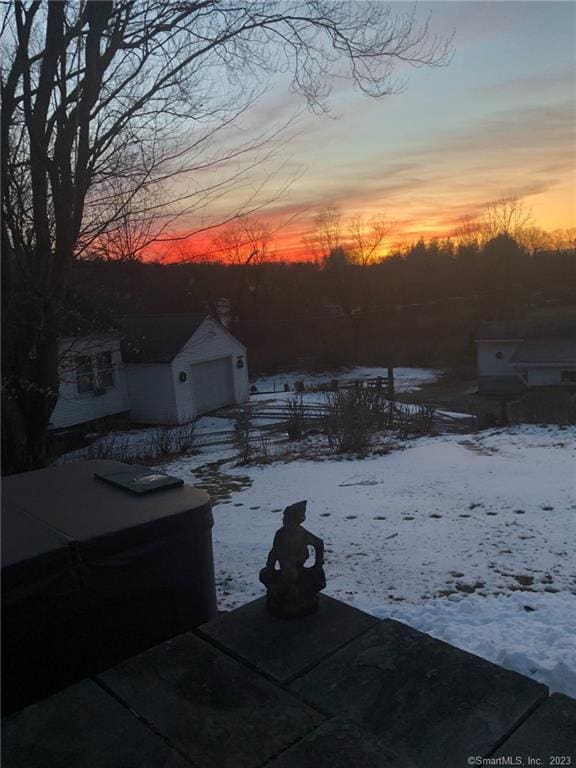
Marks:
<point>514,356</point>
<point>181,366</point>
<point>92,380</point>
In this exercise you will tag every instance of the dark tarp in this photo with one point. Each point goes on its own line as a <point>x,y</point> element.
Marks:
<point>93,574</point>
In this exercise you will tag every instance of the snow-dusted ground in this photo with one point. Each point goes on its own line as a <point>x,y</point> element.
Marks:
<point>458,535</point>
<point>488,517</point>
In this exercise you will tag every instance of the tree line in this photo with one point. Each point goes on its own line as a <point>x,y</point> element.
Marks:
<point>420,306</point>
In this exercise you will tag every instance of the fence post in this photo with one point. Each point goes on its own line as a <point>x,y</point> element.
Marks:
<point>391,383</point>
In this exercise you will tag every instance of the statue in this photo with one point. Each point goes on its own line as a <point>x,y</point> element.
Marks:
<point>292,588</point>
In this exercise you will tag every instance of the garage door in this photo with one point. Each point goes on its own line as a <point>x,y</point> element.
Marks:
<point>213,384</point>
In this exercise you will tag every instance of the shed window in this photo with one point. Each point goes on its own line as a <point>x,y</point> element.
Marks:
<point>568,377</point>
<point>104,370</point>
<point>94,373</point>
<point>84,374</point>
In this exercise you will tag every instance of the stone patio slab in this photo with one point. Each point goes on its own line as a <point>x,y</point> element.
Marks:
<point>82,727</point>
<point>339,744</point>
<point>286,648</point>
<point>427,701</point>
<point>550,732</point>
<point>217,712</point>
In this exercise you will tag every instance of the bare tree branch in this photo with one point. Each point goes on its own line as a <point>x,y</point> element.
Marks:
<point>120,115</point>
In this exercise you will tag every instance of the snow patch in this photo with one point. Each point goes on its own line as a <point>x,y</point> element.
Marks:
<point>533,634</point>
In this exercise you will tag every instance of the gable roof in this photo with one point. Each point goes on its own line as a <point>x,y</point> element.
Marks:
<point>156,338</point>
<point>500,330</point>
<point>559,326</point>
<point>551,351</point>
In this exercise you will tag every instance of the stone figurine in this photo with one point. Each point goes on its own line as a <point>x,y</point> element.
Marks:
<point>292,588</point>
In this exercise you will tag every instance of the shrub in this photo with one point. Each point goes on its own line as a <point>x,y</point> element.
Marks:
<point>242,433</point>
<point>161,441</point>
<point>184,437</point>
<point>352,418</point>
<point>545,406</point>
<point>296,418</point>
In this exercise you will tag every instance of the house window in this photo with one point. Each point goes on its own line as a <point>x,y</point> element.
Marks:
<point>568,377</point>
<point>84,374</point>
<point>104,370</point>
<point>94,373</point>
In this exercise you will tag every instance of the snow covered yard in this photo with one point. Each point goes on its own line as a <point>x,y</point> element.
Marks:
<point>453,534</point>
<point>468,537</point>
<point>405,379</point>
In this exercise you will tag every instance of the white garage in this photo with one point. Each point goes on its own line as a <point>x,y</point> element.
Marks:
<point>181,366</point>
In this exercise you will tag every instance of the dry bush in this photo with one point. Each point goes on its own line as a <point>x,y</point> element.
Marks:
<point>352,418</point>
<point>296,418</point>
<point>243,436</point>
<point>545,406</point>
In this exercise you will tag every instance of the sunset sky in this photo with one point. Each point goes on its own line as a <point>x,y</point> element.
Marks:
<point>499,119</point>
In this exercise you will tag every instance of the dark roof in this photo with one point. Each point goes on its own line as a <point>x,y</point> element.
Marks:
<point>561,351</point>
<point>533,328</point>
<point>156,338</point>
<point>501,329</point>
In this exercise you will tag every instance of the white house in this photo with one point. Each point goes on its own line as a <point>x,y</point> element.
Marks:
<point>546,362</point>
<point>512,356</point>
<point>92,380</point>
<point>180,366</point>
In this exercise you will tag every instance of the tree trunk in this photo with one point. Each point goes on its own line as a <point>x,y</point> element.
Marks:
<point>29,399</point>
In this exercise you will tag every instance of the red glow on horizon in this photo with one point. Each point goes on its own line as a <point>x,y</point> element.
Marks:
<point>289,233</point>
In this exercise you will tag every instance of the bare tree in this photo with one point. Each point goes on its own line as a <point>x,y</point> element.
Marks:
<point>244,241</point>
<point>117,108</point>
<point>125,239</point>
<point>366,237</point>
<point>507,216</point>
<point>469,232</point>
<point>326,236</point>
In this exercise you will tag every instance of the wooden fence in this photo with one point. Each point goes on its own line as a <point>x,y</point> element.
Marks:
<point>333,385</point>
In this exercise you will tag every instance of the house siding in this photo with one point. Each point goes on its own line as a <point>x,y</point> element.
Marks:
<point>151,392</point>
<point>73,407</point>
<point>491,365</point>
<point>547,377</point>
<point>210,342</point>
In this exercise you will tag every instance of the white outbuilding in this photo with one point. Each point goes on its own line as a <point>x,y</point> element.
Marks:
<point>514,356</point>
<point>181,366</point>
